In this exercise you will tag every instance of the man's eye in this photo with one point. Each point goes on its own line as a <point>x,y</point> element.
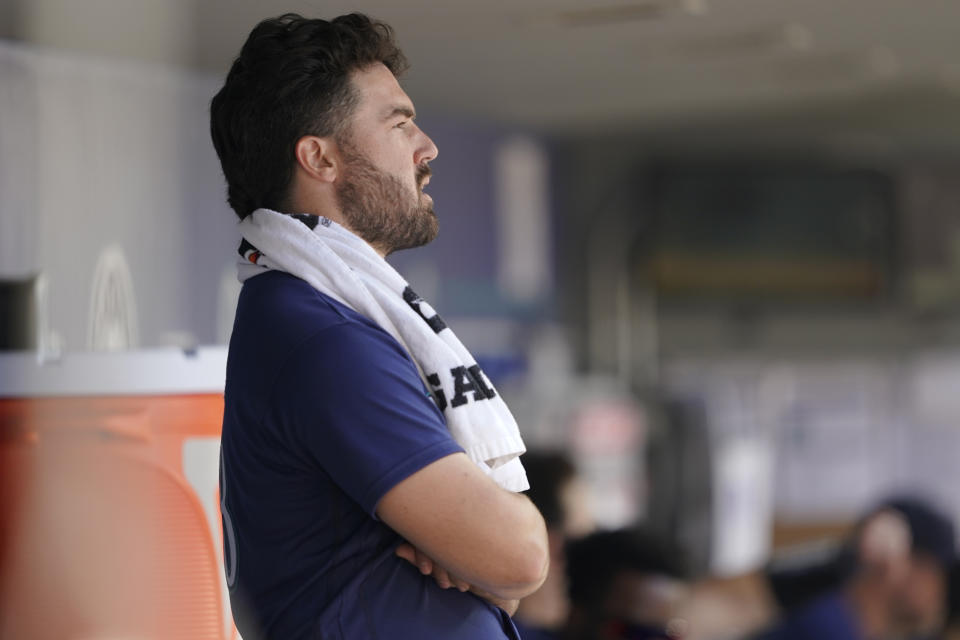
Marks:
<point>402,124</point>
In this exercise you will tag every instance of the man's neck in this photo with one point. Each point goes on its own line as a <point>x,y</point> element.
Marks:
<point>333,214</point>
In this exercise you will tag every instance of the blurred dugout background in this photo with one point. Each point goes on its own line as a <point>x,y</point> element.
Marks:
<point>712,247</point>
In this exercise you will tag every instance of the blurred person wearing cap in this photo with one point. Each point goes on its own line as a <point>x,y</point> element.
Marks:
<point>369,471</point>
<point>896,580</point>
<point>951,630</point>
<point>561,497</point>
<point>625,584</point>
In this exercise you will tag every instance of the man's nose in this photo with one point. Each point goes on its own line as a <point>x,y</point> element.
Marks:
<point>426,150</point>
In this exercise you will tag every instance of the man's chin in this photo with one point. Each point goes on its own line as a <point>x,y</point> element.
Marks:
<point>427,233</point>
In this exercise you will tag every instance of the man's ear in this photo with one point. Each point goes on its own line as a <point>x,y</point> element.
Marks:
<point>317,157</point>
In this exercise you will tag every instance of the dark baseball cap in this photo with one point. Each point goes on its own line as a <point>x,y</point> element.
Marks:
<point>931,531</point>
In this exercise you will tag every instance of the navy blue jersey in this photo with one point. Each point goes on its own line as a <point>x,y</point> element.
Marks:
<point>324,413</point>
<point>529,632</point>
<point>826,618</point>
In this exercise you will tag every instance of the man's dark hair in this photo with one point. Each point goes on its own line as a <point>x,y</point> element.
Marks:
<point>548,473</point>
<point>594,562</point>
<point>292,79</point>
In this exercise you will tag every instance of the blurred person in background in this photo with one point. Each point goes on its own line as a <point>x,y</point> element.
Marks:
<point>731,607</point>
<point>951,630</point>
<point>895,585</point>
<point>624,585</point>
<point>561,498</point>
<point>738,606</point>
<point>350,510</point>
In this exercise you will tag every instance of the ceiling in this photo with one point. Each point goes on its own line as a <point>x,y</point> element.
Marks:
<point>860,72</point>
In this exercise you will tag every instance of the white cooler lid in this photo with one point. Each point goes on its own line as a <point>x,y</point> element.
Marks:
<point>140,372</point>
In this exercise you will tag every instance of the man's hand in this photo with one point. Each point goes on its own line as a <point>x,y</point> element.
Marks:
<point>429,567</point>
<point>446,580</point>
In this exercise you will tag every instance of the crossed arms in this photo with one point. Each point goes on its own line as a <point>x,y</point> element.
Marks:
<point>468,532</point>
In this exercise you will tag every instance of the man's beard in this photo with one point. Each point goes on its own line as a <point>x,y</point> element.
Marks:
<point>380,209</point>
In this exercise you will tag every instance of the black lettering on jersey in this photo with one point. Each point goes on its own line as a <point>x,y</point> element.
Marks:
<point>470,380</point>
<point>435,321</point>
<point>480,380</point>
<point>463,383</point>
<point>437,390</point>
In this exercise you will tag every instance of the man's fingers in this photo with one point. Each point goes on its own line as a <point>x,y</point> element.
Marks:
<point>445,579</point>
<point>454,581</point>
<point>427,567</point>
<point>415,557</point>
<point>442,577</point>
<point>424,563</point>
<point>407,552</point>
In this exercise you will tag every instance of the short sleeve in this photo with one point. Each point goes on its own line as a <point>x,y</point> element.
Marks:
<point>350,399</point>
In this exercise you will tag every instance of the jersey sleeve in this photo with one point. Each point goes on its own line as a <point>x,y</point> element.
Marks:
<point>352,399</point>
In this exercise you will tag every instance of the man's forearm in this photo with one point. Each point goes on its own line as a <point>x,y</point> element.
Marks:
<point>525,560</point>
<point>447,580</point>
<point>493,539</point>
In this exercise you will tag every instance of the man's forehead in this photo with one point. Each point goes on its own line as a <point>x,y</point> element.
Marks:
<point>380,93</point>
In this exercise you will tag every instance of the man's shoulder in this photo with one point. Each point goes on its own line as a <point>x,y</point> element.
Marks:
<point>281,302</point>
<point>280,316</point>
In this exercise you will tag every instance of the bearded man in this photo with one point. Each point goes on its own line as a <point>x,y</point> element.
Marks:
<point>369,470</point>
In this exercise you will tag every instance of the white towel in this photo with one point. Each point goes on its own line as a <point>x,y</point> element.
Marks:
<point>343,266</point>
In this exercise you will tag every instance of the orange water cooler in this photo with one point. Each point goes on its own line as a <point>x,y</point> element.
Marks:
<point>109,503</point>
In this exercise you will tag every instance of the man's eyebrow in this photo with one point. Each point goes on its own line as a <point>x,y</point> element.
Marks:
<point>401,110</point>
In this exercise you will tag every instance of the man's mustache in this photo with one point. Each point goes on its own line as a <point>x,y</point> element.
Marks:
<point>423,172</point>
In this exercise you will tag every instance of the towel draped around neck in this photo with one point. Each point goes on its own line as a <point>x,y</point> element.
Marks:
<point>341,265</point>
